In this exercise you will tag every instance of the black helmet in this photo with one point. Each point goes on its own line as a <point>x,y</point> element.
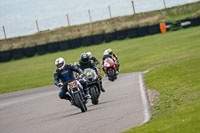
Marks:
<point>84,57</point>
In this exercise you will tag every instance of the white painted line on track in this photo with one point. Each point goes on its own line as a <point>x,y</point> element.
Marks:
<point>26,98</point>
<point>145,101</point>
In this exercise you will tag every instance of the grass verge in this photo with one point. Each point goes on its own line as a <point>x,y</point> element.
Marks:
<point>135,55</point>
<point>179,107</point>
<point>174,58</point>
<point>105,26</point>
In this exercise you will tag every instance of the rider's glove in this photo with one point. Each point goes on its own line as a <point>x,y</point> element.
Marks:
<point>116,62</point>
<point>60,84</point>
<point>97,62</point>
<point>81,76</point>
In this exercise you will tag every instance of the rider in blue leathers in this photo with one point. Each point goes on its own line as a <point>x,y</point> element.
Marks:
<point>64,73</point>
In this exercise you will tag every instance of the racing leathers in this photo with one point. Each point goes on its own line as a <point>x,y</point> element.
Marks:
<point>64,75</point>
<point>94,60</point>
<point>89,64</point>
<point>114,57</point>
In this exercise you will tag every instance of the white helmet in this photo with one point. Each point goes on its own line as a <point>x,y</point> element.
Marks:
<point>60,63</point>
<point>109,51</point>
<point>89,54</point>
<point>106,52</point>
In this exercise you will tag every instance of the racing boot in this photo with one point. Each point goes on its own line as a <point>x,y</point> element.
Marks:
<point>70,99</point>
<point>101,87</point>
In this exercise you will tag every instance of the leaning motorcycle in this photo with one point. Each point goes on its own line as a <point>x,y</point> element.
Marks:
<point>110,69</point>
<point>93,87</point>
<point>76,95</point>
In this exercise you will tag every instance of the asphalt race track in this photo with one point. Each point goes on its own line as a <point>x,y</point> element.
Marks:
<point>124,105</point>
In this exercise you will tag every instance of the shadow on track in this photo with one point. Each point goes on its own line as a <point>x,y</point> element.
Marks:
<point>74,114</point>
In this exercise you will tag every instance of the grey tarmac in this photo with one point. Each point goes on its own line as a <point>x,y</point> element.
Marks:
<point>40,110</point>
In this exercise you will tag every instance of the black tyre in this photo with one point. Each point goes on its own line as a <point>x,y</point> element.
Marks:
<point>5,56</point>
<point>94,95</point>
<point>79,102</point>
<point>111,74</point>
<point>41,49</point>
<point>29,51</point>
<point>17,53</point>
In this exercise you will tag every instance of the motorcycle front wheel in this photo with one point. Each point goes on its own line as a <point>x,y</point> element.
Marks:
<point>79,102</point>
<point>94,96</point>
<point>111,74</point>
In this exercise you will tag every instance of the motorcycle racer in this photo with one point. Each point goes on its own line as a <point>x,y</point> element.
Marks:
<point>63,74</point>
<point>85,62</point>
<point>108,53</point>
<point>92,58</point>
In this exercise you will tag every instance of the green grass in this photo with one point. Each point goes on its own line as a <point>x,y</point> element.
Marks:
<point>105,26</point>
<point>174,60</point>
<point>135,55</point>
<point>178,110</point>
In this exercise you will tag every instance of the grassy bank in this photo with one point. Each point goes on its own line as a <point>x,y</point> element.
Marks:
<point>105,26</point>
<point>175,72</point>
<point>179,107</point>
<point>135,55</point>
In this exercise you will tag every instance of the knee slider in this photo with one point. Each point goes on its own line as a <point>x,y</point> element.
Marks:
<point>62,96</point>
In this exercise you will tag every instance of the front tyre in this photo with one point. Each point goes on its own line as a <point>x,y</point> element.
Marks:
<point>94,96</point>
<point>79,102</point>
<point>111,74</point>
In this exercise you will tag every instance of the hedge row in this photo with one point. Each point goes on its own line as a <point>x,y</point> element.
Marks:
<point>93,40</point>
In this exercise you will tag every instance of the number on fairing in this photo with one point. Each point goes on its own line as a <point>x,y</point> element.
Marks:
<point>72,84</point>
<point>89,74</point>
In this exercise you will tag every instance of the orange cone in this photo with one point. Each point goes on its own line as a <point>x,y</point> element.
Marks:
<point>163,28</point>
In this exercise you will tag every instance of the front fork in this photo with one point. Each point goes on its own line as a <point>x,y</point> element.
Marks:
<point>80,89</point>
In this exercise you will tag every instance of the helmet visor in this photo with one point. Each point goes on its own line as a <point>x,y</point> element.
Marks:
<point>85,59</point>
<point>59,65</point>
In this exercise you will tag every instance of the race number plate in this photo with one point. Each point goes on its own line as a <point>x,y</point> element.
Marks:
<point>73,84</point>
